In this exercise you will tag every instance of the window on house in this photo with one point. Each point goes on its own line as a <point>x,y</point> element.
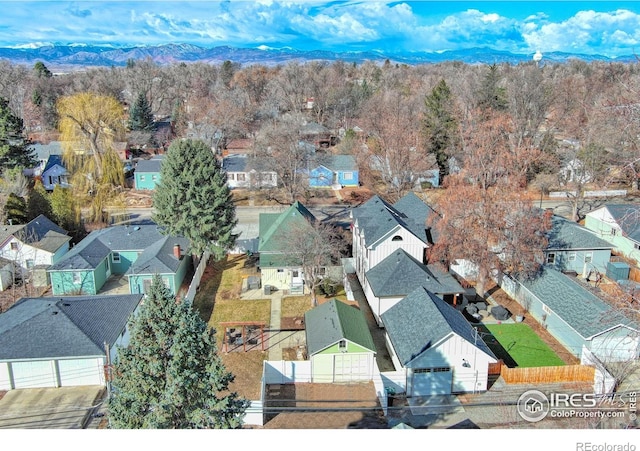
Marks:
<point>29,263</point>
<point>115,257</point>
<point>295,273</point>
<point>231,176</point>
<point>280,270</point>
<point>588,257</point>
<point>342,345</point>
<point>551,258</point>
<point>347,176</point>
<point>572,256</point>
<point>154,177</point>
<point>241,177</point>
<point>614,231</point>
<point>76,277</point>
<point>546,309</point>
<point>440,369</point>
<point>142,177</point>
<point>14,246</point>
<point>396,238</point>
<point>322,271</point>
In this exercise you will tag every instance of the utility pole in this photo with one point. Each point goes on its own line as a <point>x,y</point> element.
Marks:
<point>107,369</point>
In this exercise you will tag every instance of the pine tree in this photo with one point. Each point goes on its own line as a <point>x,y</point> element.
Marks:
<point>38,202</point>
<point>170,376</point>
<point>440,126</point>
<point>14,146</point>
<point>65,211</point>
<point>140,115</point>
<point>193,199</point>
<point>15,209</point>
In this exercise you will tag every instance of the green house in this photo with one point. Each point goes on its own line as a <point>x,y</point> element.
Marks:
<point>136,252</point>
<point>147,173</point>
<point>339,343</point>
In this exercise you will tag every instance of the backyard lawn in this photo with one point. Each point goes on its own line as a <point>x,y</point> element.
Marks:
<point>517,344</point>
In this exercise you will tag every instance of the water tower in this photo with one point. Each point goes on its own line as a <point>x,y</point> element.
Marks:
<point>537,57</point>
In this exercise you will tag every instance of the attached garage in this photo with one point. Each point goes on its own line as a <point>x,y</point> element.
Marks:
<point>60,342</point>
<point>339,344</point>
<point>431,381</point>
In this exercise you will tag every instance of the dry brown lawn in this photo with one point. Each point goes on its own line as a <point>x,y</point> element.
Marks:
<point>247,369</point>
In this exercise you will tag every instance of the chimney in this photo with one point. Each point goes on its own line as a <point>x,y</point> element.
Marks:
<point>176,251</point>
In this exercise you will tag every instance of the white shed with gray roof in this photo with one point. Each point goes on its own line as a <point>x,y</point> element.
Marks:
<point>62,341</point>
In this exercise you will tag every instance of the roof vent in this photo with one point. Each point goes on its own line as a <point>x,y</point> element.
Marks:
<point>54,312</point>
<point>136,228</point>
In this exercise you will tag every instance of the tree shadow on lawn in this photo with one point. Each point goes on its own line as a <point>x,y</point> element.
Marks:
<point>500,352</point>
<point>210,284</point>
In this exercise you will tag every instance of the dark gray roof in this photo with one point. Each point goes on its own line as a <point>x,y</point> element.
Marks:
<point>43,151</point>
<point>585,312</point>
<point>74,326</point>
<point>376,217</point>
<point>88,253</point>
<point>40,232</point>
<point>337,163</point>
<point>627,216</point>
<point>159,258</point>
<point>152,165</point>
<point>234,163</point>
<point>565,234</point>
<point>332,321</point>
<point>399,274</point>
<point>421,320</point>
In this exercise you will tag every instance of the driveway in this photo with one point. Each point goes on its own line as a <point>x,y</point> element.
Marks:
<point>50,408</point>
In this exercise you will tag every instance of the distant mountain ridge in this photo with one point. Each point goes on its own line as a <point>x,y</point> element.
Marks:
<point>79,56</point>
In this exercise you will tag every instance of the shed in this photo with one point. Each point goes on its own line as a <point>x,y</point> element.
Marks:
<point>339,343</point>
<point>618,270</point>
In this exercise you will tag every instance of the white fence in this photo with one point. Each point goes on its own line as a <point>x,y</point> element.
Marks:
<point>599,193</point>
<point>287,372</point>
<point>195,282</point>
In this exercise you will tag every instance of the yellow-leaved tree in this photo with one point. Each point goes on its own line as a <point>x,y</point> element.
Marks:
<point>89,126</point>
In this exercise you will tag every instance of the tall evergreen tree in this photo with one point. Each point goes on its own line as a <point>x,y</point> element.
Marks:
<point>170,376</point>
<point>65,211</point>
<point>492,96</point>
<point>440,126</point>
<point>14,146</point>
<point>140,115</point>
<point>193,199</point>
<point>38,202</point>
<point>15,209</point>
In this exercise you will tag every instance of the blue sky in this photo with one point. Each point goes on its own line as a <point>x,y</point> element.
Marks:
<point>610,28</point>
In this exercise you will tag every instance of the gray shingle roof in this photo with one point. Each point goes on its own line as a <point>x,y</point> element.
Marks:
<point>582,310</point>
<point>100,243</point>
<point>399,274</point>
<point>338,163</point>
<point>565,234</point>
<point>333,321</point>
<point>627,216</point>
<point>43,151</point>
<point>74,326</point>
<point>420,321</point>
<point>152,165</point>
<point>234,163</point>
<point>376,217</point>
<point>158,258</point>
<point>40,232</point>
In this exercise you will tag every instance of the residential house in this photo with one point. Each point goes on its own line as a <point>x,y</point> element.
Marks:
<point>436,347</point>
<point>334,170</point>
<point>62,342</point>
<point>388,282</point>
<point>34,246</point>
<point>135,252</point>
<point>572,247</point>
<point>279,267</point>
<point>317,134</point>
<point>339,344</point>
<point>380,228</point>
<point>54,173</point>
<point>240,146</point>
<point>42,152</point>
<point>147,173</point>
<point>239,175</point>
<point>575,316</point>
<point>619,225</point>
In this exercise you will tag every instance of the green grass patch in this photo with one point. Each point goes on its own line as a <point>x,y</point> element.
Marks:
<point>236,310</point>
<point>521,344</point>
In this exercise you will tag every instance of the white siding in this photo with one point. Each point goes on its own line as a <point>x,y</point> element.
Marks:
<point>25,252</point>
<point>5,380</point>
<point>386,246</point>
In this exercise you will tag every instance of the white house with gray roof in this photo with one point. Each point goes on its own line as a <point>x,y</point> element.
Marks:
<point>399,274</point>
<point>575,316</point>
<point>435,346</point>
<point>35,245</point>
<point>619,225</point>
<point>240,175</point>
<point>60,341</point>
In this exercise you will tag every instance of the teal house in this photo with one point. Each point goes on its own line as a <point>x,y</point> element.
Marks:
<point>334,170</point>
<point>339,344</point>
<point>147,173</point>
<point>618,224</point>
<point>134,252</point>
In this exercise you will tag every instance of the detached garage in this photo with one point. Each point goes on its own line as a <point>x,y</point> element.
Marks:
<point>339,343</point>
<point>62,342</point>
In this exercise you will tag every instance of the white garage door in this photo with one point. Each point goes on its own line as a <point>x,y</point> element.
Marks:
<point>432,381</point>
<point>351,367</point>
<point>34,374</point>
<point>81,372</point>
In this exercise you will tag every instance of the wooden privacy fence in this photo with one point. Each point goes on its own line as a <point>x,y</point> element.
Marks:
<point>495,368</point>
<point>548,374</point>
